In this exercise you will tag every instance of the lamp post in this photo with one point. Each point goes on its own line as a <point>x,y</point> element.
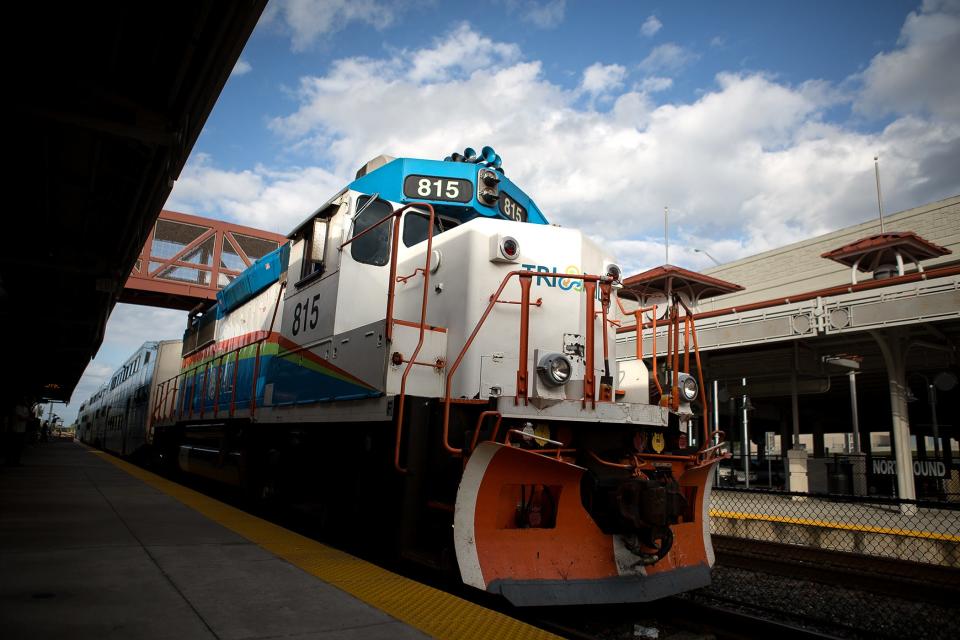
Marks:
<point>943,381</point>
<point>715,261</point>
<point>666,235</point>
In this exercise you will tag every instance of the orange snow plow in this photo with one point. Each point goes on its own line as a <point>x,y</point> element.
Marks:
<point>542,531</point>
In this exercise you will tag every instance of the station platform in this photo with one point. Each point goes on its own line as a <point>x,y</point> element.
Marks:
<point>94,547</point>
<point>927,535</point>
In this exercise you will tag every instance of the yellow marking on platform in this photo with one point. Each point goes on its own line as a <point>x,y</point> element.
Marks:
<point>430,610</point>
<point>866,528</point>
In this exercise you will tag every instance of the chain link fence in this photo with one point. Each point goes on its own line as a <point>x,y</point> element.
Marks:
<point>862,550</point>
<point>907,530</point>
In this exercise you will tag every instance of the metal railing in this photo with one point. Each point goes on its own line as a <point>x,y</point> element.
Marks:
<point>526,278</point>
<point>672,354</point>
<point>164,410</point>
<point>171,406</point>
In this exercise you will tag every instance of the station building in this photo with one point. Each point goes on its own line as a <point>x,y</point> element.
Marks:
<point>837,362</point>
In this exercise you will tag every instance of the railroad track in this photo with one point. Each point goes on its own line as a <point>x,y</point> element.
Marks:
<point>679,617</point>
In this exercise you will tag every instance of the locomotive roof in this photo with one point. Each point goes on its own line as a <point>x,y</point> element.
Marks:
<point>388,179</point>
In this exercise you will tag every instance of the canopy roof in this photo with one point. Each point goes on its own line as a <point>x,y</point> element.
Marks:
<point>873,251</point>
<point>659,280</point>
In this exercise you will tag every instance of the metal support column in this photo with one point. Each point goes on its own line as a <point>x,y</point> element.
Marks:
<point>854,416</point>
<point>745,450</point>
<point>894,348</point>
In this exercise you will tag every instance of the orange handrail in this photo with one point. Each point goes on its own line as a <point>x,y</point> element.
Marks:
<point>391,296</point>
<point>163,409</point>
<point>496,428</point>
<point>525,282</point>
<point>637,313</point>
<point>589,288</point>
<point>703,389</point>
<point>448,400</point>
<point>423,316</point>
<point>673,354</point>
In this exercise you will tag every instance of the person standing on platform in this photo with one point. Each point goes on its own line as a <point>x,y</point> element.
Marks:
<point>16,434</point>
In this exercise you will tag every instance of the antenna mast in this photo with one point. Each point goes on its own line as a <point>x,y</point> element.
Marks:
<point>876,172</point>
<point>666,236</point>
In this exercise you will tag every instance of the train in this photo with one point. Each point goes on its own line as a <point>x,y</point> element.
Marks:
<point>118,416</point>
<point>430,365</point>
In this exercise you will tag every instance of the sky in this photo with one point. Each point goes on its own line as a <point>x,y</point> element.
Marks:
<point>756,123</point>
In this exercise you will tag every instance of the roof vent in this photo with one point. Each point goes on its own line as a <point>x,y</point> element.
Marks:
<point>885,271</point>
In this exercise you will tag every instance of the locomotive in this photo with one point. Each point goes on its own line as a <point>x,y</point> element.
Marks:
<point>427,363</point>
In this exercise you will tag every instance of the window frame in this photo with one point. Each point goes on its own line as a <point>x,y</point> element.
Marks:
<point>438,220</point>
<point>364,205</point>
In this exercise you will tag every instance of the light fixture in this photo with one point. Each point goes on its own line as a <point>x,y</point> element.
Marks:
<point>614,272</point>
<point>509,248</point>
<point>687,386</point>
<point>555,369</point>
<point>715,261</point>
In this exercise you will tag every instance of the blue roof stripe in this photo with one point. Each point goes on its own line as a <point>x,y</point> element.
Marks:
<point>388,182</point>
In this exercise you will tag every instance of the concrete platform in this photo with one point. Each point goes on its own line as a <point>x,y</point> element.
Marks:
<point>90,550</point>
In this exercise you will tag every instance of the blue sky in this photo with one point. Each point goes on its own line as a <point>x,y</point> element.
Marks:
<point>796,42</point>
<point>756,122</point>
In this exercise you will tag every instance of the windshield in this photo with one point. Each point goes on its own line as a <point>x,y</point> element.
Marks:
<point>415,227</point>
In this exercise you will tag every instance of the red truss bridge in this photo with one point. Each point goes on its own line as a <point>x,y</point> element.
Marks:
<point>187,259</point>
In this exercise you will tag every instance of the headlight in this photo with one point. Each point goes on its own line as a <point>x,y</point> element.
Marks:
<point>614,272</point>
<point>689,388</point>
<point>555,369</point>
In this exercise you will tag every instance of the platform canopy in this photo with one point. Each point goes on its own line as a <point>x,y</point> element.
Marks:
<point>867,254</point>
<point>655,284</point>
<point>106,100</point>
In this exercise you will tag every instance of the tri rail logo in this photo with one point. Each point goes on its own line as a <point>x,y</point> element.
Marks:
<point>555,280</point>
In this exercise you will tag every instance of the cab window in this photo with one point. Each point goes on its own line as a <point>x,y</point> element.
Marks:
<point>374,247</point>
<point>415,227</point>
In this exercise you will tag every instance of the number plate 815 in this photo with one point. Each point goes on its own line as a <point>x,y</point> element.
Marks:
<point>435,188</point>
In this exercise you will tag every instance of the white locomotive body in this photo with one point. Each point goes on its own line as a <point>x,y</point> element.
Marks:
<point>455,372</point>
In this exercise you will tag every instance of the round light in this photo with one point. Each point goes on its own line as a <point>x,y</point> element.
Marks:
<point>510,248</point>
<point>689,388</point>
<point>555,369</point>
<point>560,370</point>
<point>614,272</point>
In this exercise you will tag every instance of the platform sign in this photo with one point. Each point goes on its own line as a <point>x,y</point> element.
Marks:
<point>921,468</point>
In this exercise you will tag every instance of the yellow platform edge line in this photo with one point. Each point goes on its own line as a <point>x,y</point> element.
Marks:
<point>432,611</point>
<point>928,535</point>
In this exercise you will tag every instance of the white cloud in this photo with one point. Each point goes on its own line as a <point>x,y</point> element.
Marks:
<point>600,78</point>
<point>653,84</point>
<point>651,26</point>
<point>545,14</point>
<point>750,165</point>
<point>242,67</point>
<point>306,21</point>
<point>669,58</point>
<point>261,198</point>
<point>463,51</point>
<point>921,75</point>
